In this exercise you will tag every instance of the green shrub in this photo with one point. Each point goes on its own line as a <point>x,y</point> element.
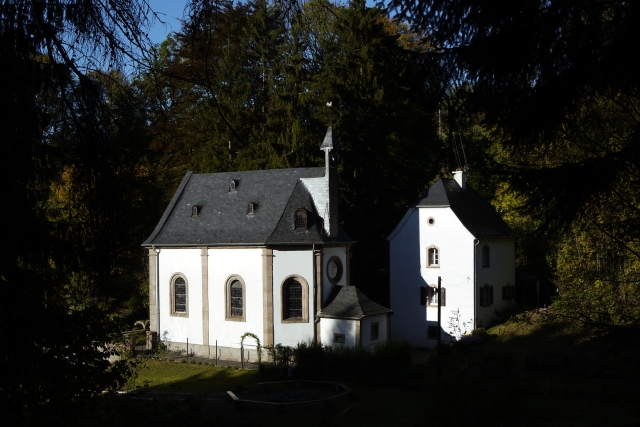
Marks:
<point>315,360</point>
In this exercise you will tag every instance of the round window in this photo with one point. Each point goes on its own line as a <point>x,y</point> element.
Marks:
<point>431,221</point>
<point>334,269</point>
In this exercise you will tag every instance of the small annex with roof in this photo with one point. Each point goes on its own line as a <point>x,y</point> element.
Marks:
<point>453,233</point>
<point>253,251</point>
<point>352,319</point>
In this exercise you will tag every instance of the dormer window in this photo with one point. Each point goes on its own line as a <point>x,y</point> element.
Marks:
<point>232,185</point>
<point>194,211</point>
<point>300,220</point>
<point>251,209</point>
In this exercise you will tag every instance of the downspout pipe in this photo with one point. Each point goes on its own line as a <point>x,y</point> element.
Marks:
<point>157,251</point>
<point>315,293</point>
<point>475,278</point>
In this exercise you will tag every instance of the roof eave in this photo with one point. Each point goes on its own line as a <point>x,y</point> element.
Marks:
<point>198,245</point>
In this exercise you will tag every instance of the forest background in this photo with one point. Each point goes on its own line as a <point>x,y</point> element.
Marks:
<point>542,95</point>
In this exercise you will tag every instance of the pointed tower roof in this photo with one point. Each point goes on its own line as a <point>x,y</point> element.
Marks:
<point>330,141</point>
<point>351,303</point>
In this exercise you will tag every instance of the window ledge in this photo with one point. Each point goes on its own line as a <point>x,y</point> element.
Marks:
<point>179,314</point>
<point>235,319</point>
<point>296,320</point>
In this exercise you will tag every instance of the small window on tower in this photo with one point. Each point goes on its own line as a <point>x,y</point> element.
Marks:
<point>486,256</point>
<point>433,256</point>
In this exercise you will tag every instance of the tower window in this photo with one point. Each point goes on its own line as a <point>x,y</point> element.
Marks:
<point>433,256</point>
<point>486,256</point>
<point>433,296</point>
<point>486,295</point>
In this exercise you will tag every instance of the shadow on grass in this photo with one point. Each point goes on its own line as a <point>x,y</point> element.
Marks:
<point>512,378</point>
<point>172,377</point>
<point>490,384</point>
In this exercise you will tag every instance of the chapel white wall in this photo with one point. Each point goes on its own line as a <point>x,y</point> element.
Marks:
<point>247,264</point>
<point>188,263</point>
<point>285,264</point>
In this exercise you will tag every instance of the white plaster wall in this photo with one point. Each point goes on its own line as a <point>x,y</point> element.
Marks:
<point>246,263</point>
<point>365,330</point>
<point>408,321</point>
<point>189,263</point>
<point>500,272</point>
<point>327,286</point>
<point>339,326</point>
<point>409,271</point>
<point>286,263</point>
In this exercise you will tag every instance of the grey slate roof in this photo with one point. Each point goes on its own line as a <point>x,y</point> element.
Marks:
<point>222,214</point>
<point>350,303</point>
<point>476,214</point>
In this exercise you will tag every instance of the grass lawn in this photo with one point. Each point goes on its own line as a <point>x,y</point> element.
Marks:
<point>490,384</point>
<point>175,377</point>
<point>374,405</point>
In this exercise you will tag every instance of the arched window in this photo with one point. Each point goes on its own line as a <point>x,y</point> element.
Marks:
<point>433,256</point>
<point>235,298</point>
<point>194,211</point>
<point>179,296</point>
<point>232,185</point>
<point>301,220</point>
<point>250,209</point>
<point>295,300</point>
<point>486,256</point>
